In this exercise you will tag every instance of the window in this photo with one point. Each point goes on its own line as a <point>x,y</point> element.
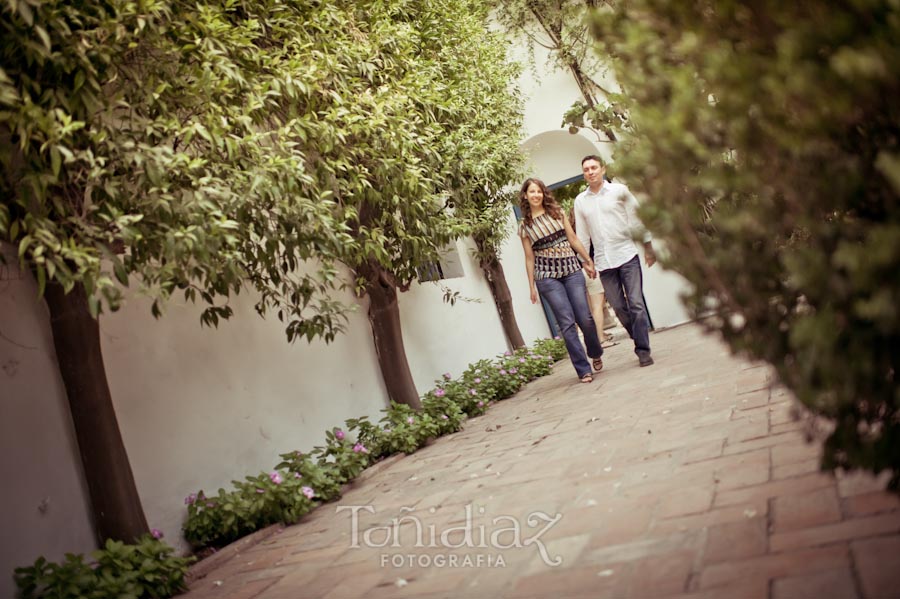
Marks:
<point>447,267</point>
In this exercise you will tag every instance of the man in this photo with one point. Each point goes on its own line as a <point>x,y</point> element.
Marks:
<point>606,215</point>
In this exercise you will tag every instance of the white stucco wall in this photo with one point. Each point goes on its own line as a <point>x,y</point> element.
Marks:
<point>44,505</point>
<point>199,407</point>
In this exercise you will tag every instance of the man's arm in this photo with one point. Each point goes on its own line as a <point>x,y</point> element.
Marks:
<point>635,224</point>
<point>582,229</point>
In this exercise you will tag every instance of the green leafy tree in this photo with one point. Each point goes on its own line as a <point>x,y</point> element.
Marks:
<point>488,160</point>
<point>562,28</point>
<point>766,136</point>
<point>400,139</point>
<point>199,149</point>
<point>142,144</point>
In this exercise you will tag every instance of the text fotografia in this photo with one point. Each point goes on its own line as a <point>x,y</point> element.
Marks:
<point>499,533</point>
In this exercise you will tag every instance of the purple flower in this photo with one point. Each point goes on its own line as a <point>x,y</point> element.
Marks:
<point>308,492</point>
<point>190,499</point>
<point>439,393</point>
<point>444,417</point>
<point>260,491</point>
<point>447,375</point>
<point>276,478</point>
<point>522,360</point>
<point>297,475</point>
<point>480,404</point>
<point>477,380</point>
<point>360,448</point>
<point>409,420</point>
<point>502,371</point>
<point>513,370</point>
<point>473,392</point>
<point>338,434</point>
<point>210,504</point>
<point>157,533</point>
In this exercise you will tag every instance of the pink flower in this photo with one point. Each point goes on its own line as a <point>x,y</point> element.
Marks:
<point>502,371</point>
<point>157,533</point>
<point>513,370</point>
<point>190,499</point>
<point>473,392</point>
<point>439,393</point>
<point>260,491</point>
<point>480,404</point>
<point>360,448</point>
<point>338,434</point>
<point>299,453</point>
<point>210,504</point>
<point>297,475</point>
<point>506,353</point>
<point>444,417</point>
<point>276,478</point>
<point>522,360</point>
<point>557,337</point>
<point>308,492</point>
<point>409,420</point>
<point>477,380</point>
<point>447,375</point>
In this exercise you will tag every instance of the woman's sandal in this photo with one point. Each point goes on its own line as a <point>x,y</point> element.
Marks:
<point>588,378</point>
<point>598,364</point>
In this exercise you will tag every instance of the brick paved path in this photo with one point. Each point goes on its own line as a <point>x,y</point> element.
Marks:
<point>685,479</point>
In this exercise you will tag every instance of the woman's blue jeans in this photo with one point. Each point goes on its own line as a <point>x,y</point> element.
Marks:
<point>567,297</point>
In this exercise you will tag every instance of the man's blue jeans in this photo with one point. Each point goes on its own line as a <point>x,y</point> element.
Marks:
<point>624,288</point>
<point>568,300</point>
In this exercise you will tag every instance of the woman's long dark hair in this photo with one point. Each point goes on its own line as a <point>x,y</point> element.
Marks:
<point>551,207</point>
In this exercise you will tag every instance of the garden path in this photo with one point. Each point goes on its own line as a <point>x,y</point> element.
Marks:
<point>689,478</point>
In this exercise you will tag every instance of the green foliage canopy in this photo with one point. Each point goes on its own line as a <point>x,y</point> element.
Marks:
<point>152,142</point>
<point>766,136</point>
<point>199,147</point>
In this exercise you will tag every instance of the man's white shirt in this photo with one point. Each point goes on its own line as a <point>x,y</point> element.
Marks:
<point>609,219</point>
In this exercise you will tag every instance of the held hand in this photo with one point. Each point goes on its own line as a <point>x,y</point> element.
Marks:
<point>534,295</point>
<point>589,268</point>
<point>650,256</point>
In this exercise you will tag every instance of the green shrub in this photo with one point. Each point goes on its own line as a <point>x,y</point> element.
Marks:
<point>766,142</point>
<point>146,569</point>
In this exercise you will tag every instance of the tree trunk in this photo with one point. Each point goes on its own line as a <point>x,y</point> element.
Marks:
<point>493,272</point>
<point>76,336</point>
<point>384,315</point>
<point>496,278</point>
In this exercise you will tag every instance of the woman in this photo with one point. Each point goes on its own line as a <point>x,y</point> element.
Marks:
<point>554,272</point>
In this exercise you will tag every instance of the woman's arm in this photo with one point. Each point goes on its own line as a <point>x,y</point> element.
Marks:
<point>529,267</point>
<point>579,249</point>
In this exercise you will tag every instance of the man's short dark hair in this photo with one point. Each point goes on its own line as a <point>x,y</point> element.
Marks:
<point>592,157</point>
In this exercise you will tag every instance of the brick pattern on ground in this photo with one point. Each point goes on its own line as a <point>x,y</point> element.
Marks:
<point>691,478</point>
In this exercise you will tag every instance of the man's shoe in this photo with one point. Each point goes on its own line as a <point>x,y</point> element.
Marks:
<point>645,360</point>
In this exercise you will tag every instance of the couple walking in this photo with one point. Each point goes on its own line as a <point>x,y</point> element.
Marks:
<point>605,217</point>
